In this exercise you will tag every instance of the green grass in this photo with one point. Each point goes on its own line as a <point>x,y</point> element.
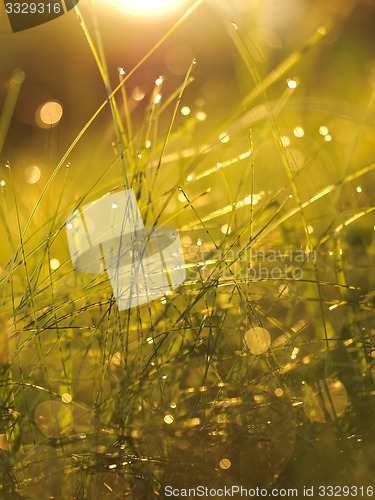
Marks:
<point>162,393</point>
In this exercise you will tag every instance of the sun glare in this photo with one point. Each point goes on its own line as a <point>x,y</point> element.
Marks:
<point>154,6</point>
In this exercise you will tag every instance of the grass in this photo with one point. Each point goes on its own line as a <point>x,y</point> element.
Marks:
<point>101,403</point>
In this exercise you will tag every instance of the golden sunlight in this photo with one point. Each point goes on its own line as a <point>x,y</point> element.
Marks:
<point>154,6</point>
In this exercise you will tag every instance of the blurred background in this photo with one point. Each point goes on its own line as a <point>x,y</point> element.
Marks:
<point>238,376</point>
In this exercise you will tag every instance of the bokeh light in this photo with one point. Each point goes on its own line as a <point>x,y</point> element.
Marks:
<point>50,114</point>
<point>54,264</point>
<point>32,174</point>
<point>225,463</point>
<point>54,419</point>
<point>239,375</point>
<point>258,340</point>
<point>138,94</point>
<point>292,84</point>
<point>285,141</point>
<point>168,419</point>
<point>299,132</point>
<point>326,400</point>
<point>224,137</point>
<point>66,398</point>
<point>201,116</point>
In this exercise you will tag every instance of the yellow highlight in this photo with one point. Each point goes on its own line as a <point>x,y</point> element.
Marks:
<point>258,340</point>
<point>225,463</point>
<point>168,419</point>
<point>152,6</point>
<point>51,113</point>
